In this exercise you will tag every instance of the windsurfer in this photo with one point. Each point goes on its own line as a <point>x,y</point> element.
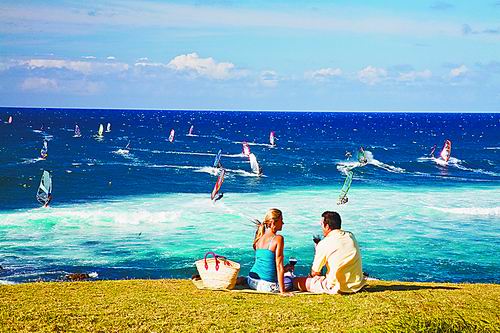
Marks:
<point>433,149</point>
<point>362,156</point>
<point>49,199</point>
<point>218,196</point>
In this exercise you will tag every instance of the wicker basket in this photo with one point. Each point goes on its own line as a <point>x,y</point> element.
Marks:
<point>218,272</point>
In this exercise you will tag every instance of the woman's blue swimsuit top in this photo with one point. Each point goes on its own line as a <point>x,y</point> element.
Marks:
<point>264,267</point>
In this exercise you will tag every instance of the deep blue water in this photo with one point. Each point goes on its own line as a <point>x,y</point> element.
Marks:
<point>148,213</point>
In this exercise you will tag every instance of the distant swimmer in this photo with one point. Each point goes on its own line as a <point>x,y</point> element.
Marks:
<point>348,155</point>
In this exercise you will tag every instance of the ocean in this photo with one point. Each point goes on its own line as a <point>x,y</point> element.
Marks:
<point>148,213</point>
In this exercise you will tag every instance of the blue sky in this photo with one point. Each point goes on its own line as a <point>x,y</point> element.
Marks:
<point>254,55</point>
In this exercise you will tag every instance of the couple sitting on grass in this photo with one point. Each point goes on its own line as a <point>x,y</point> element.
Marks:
<point>338,251</point>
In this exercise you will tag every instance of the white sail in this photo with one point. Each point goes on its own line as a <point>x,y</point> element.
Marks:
<point>191,130</point>
<point>45,188</point>
<point>77,132</point>
<point>101,130</point>
<point>272,138</point>
<point>108,128</point>
<point>254,164</point>
<point>10,120</point>
<point>172,135</point>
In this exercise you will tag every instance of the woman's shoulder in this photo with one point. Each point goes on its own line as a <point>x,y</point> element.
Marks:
<point>279,239</point>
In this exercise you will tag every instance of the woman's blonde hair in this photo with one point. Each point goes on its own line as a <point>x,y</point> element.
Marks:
<point>272,215</point>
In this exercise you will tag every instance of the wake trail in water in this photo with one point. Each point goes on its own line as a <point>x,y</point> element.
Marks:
<point>344,167</point>
<point>476,211</point>
<point>456,163</point>
<point>206,169</point>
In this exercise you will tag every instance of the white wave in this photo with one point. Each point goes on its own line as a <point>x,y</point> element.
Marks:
<point>189,153</point>
<point>209,170</point>
<point>121,152</point>
<point>346,166</point>
<point>253,143</point>
<point>5,282</point>
<point>233,155</point>
<point>457,163</point>
<point>492,148</point>
<point>126,215</point>
<point>31,160</point>
<point>492,211</point>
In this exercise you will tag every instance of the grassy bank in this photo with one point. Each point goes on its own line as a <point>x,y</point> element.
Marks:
<point>164,305</point>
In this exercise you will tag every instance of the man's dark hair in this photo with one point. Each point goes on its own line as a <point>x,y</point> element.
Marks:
<point>332,219</point>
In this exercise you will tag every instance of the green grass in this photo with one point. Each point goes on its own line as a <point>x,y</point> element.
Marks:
<point>176,305</point>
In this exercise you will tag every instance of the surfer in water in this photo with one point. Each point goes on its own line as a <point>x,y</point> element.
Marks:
<point>348,155</point>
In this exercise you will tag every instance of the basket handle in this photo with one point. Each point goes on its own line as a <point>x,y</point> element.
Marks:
<point>216,256</point>
<point>216,261</point>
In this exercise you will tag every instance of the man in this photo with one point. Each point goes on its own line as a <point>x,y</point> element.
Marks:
<point>340,253</point>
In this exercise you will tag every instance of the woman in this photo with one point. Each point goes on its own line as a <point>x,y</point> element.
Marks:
<point>267,273</point>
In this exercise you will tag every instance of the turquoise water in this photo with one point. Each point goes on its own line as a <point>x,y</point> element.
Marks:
<point>423,234</point>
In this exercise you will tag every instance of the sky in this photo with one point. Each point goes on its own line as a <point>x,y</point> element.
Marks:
<point>252,55</point>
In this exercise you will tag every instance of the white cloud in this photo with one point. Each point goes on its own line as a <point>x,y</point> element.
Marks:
<point>371,75</point>
<point>269,79</point>
<point>111,58</point>
<point>89,57</point>
<point>207,67</point>
<point>85,67</point>
<point>414,75</point>
<point>142,59</point>
<point>149,64</point>
<point>323,74</point>
<point>458,71</point>
<point>39,84</point>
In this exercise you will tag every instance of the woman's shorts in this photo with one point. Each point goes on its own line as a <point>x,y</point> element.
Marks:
<point>268,286</point>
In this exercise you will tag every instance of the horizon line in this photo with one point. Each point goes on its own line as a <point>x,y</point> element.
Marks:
<point>245,110</point>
